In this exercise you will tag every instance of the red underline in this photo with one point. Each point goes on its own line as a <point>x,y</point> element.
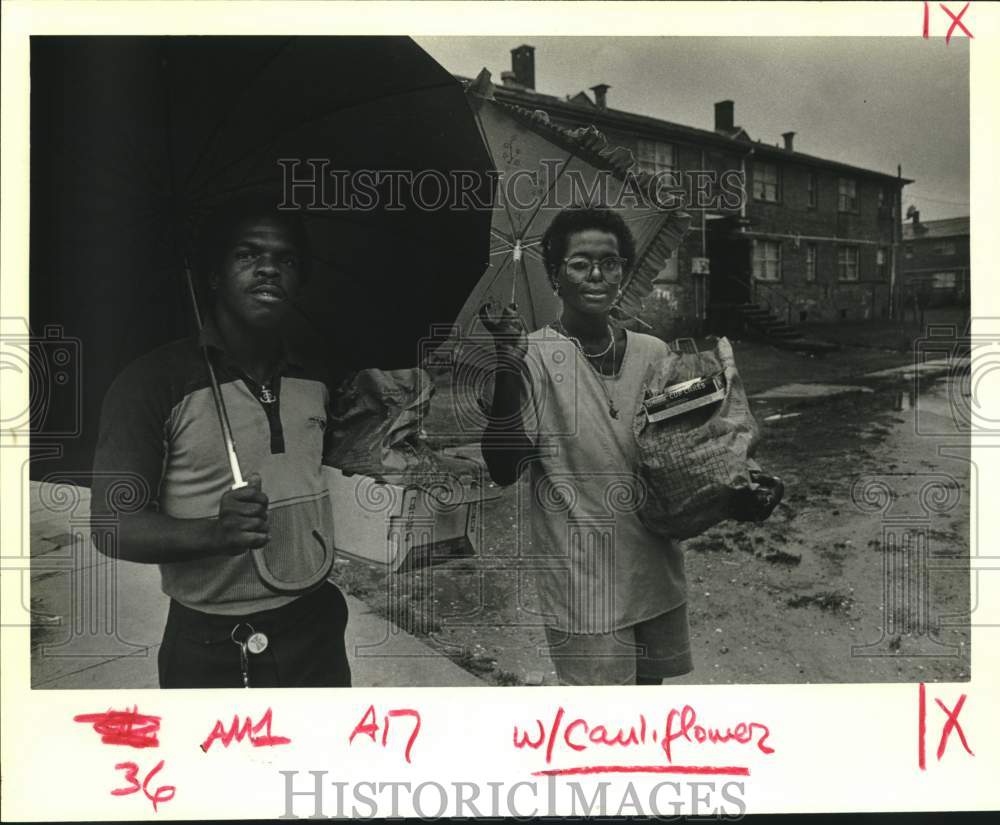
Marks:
<point>690,769</point>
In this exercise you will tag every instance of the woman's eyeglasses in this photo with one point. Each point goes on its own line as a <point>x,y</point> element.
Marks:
<point>579,267</point>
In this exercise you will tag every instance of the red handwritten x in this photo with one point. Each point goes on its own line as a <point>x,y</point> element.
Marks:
<point>951,724</point>
<point>124,727</point>
<point>955,21</point>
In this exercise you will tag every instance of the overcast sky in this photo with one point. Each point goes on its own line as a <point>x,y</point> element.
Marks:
<point>872,102</point>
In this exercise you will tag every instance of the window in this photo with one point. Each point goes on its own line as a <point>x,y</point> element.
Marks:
<point>765,182</point>
<point>908,250</point>
<point>883,197</point>
<point>847,263</point>
<point>654,156</point>
<point>767,260</point>
<point>944,280</point>
<point>881,263</point>
<point>812,190</point>
<point>847,195</point>
<point>944,248</point>
<point>811,262</point>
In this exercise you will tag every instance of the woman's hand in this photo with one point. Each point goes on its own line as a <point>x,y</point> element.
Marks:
<point>510,335</point>
<point>505,446</point>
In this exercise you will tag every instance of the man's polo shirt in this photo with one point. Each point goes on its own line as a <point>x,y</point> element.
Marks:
<point>159,426</point>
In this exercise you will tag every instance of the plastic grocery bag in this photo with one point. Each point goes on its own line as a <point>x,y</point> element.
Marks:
<point>396,501</point>
<point>697,465</point>
<point>375,423</point>
<point>376,431</point>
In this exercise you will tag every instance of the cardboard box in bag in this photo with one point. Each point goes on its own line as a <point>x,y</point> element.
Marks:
<point>404,526</point>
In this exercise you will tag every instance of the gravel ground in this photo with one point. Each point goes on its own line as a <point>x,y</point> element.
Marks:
<point>799,599</point>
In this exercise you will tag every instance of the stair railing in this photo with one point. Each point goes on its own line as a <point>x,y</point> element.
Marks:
<point>773,290</point>
<point>756,284</point>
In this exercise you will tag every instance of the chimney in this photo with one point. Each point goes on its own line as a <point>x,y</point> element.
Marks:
<point>601,95</point>
<point>522,60</point>
<point>789,140</point>
<point>724,116</point>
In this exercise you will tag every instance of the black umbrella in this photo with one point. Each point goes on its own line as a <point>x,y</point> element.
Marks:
<point>135,139</point>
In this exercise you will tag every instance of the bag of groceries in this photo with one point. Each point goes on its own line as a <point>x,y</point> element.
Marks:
<point>696,437</point>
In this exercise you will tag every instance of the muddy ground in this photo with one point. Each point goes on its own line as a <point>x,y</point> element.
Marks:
<point>877,480</point>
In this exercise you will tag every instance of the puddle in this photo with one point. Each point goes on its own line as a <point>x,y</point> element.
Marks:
<point>811,391</point>
<point>780,416</point>
<point>938,401</point>
<point>924,368</point>
<point>934,403</point>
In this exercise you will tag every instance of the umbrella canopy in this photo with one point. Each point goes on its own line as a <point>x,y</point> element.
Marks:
<point>135,139</point>
<point>544,168</point>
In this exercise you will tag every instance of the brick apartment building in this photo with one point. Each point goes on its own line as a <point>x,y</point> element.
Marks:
<point>935,262</point>
<point>812,240</point>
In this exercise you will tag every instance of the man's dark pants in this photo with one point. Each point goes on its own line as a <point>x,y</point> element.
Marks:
<point>305,645</point>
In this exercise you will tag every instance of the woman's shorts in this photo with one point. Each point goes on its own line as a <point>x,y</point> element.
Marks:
<point>657,648</point>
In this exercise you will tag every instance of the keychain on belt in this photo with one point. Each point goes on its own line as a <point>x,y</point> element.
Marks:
<point>251,641</point>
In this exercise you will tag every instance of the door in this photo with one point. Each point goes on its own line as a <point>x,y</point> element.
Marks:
<point>730,265</point>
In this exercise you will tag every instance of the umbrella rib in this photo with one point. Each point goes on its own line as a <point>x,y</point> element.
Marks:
<point>520,270</point>
<point>496,233</point>
<point>344,215</point>
<point>223,168</point>
<point>489,152</point>
<point>217,129</point>
<point>498,273</point>
<point>555,180</point>
<point>643,217</point>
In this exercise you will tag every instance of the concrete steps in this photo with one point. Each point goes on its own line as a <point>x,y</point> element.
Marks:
<point>779,333</point>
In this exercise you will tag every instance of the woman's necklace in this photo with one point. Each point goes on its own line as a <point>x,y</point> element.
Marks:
<point>611,341</point>
<point>612,347</point>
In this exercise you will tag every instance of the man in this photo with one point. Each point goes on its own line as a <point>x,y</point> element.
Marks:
<point>160,434</point>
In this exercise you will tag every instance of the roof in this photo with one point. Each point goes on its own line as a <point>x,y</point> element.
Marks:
<point>736,141</point>
<point>946,228</point>
<point>591,146</point>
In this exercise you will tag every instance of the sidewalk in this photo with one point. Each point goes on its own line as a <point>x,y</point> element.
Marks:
<point>97,624</point>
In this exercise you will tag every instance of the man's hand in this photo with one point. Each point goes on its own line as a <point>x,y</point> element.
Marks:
<point>510,335</point>
<point>242,524</point>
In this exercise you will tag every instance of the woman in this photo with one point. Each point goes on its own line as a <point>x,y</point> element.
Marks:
<point>613,593</point>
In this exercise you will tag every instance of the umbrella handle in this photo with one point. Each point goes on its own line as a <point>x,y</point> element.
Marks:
<point>260,563</point>
<point>302,585</point>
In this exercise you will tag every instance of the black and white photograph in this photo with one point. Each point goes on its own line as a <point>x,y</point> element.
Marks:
<point>584,408</point>
<point>372,361</point>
